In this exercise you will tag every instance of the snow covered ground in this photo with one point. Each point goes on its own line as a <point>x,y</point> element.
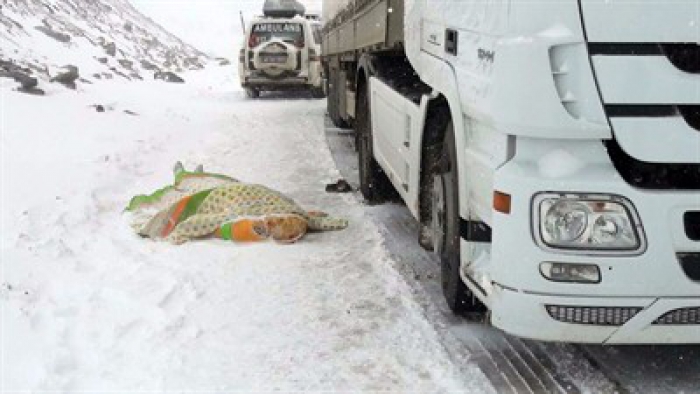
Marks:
<point>88,306</point>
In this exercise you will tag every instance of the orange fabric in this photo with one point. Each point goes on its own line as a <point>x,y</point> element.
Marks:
<point>286,228</point>
<point>175,215</point>
<point>247,230</point>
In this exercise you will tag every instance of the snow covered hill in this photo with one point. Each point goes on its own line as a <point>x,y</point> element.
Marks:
<point>213,26</point>
<point>51,40</point>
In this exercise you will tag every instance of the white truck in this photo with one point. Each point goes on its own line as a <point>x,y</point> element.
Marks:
<point>549,149</point>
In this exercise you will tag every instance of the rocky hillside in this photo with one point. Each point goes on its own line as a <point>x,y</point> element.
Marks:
<point>76,42</point>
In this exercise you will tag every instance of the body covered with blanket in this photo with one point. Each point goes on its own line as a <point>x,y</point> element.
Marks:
<point>201,205</point>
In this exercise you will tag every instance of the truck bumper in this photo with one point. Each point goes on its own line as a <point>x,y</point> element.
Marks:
<point>650,296</point>
<point>528,316</point>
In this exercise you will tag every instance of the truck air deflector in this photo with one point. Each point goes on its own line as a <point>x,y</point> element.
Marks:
<point>641,21</point>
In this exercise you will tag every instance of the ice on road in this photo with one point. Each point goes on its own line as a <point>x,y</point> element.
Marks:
<point>88,306</point>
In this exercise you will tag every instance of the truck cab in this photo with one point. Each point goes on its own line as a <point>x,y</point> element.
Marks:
<point>549,150</point>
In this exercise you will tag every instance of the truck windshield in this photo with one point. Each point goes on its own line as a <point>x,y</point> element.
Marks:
<point>292,33</point>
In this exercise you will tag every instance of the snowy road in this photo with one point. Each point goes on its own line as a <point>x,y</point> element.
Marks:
<point>87,306</point>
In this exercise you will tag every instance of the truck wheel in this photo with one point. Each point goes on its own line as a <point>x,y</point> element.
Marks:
<point>374,184</point>
<point>334,100</point>
<point>252,93</point>
<point>318,92</point>
<point>431,154</point>
<point>445,225</point>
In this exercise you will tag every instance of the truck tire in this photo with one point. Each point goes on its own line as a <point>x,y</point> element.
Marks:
<point>318,92</point>
<point>252,93</point>
<point>446,230</point>
<point>333,101</point>
<point>431,153</point>
<point>374,184</point>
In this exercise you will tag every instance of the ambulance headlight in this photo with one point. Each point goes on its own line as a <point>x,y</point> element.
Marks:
<point>587,223</point>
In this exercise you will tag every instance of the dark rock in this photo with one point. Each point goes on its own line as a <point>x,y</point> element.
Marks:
<point>68,77</point>
<point>34,91</point>
<point>121,74</point>
<point>58,36</point>
<point>146,65</point>
<point>102,108</point>
<point>38,69</point>
<point>192,63</point>
<point>110,48</point>
<point>128,64</point>
<point>97,76</point>
<point>129,112</point>
<point>136,75</point>
<point>102,60</point>
<point>128,27</point>
<point>9,65</point>
<point>24,79</point>
<point>223,61</point>
<point>168,76</point>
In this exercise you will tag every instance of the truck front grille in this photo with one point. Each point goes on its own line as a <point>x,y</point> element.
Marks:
<point>691,114</point>
<point>691,222</point>
<point>667,103</point>
<point>679,317</point>
<point>656,176</point>
<point>690,262</point>
<point>686,57</point>
<point>592,315</point>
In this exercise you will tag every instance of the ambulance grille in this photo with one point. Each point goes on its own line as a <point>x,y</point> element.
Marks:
<point>592,315</point>
<point>680,317</point>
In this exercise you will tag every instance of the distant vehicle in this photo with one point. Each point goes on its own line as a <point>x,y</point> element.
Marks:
<point>282,52</point>
<point>550,151</point>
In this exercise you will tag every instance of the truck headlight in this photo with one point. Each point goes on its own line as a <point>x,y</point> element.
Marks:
<point>587,223</point>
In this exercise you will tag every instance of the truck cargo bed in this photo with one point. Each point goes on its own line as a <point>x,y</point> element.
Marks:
<point>362,24</point>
